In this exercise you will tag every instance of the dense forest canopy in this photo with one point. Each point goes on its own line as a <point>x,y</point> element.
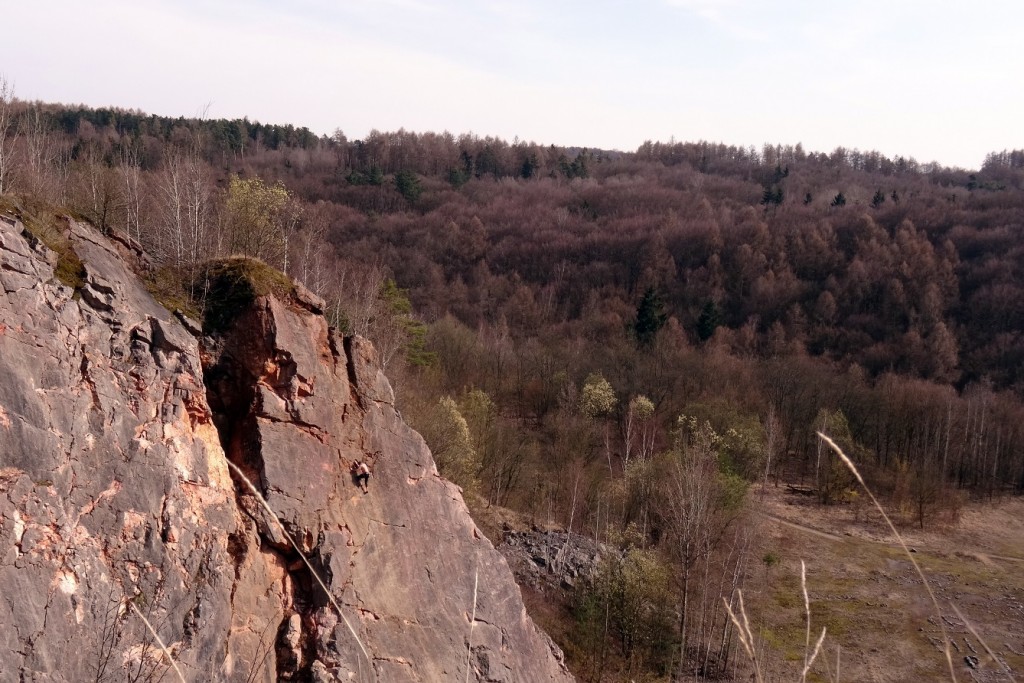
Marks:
<point>567,326</point>
<point>883,267</point>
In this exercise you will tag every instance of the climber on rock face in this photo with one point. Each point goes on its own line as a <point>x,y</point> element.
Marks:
<point>361,471</point>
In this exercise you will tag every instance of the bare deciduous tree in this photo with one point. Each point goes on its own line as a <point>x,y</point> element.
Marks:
<point>700,504</point>
<point>187,203</point>
<point>99,186</point>
<point>8,135</point>
<point>39,153</point>
<point>311,266</point>
<point>130,169</point>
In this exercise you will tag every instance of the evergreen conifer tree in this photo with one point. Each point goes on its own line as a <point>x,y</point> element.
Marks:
<point>650,318</point>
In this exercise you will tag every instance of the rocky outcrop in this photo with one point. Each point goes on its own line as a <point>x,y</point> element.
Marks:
<point>552,560</point>
<point>118,508</point>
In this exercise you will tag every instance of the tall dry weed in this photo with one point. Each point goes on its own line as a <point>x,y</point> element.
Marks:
<point>947,648</point>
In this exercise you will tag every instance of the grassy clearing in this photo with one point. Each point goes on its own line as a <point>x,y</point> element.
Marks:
<point>873,604</point>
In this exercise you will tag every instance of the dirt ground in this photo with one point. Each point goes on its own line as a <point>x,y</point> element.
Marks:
<point>881,623</point>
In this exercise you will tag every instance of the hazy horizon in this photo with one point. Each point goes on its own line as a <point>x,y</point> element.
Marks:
<point>934,81</point>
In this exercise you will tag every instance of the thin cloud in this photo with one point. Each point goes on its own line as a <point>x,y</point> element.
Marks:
<point>709,9</point>
<point>731,16</point>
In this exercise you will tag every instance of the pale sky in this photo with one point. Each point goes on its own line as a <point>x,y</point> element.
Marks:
<point>939,80</point>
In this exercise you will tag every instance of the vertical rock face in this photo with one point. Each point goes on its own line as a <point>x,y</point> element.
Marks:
<point>114,492</point>
<point>116,501</point>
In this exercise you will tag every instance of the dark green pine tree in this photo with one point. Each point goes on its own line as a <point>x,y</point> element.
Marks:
<point>650,318</point>
<point>772,195</point>
<point>530,166</point>
<point>708,320</point>
<point>375,176</point>
<point>878,199</point>
<point>408,185</point>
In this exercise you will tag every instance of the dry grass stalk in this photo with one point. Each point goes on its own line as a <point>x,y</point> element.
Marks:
<point>931,594</point>
<point>746,622</point>
<point>163,648</point>
<point>814,655</point>
<point>970,627</point>
<point>745,635</point>
<point>807,612</point>
<point>309,565</point>
<point>809,656</point>
<point>472,623</point>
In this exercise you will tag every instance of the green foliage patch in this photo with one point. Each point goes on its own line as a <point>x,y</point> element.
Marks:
<point>408,185</point>
<point>630,597</point>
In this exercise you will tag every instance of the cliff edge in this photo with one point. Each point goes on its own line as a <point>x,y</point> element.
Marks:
<point>126,537</point>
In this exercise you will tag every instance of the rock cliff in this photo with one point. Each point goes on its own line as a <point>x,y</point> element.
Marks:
<point>118,506</point>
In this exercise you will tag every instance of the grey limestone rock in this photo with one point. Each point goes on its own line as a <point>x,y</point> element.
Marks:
<point>114,492</point>
<point>116,499</point>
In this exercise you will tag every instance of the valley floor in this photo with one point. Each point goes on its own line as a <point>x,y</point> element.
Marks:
<point>881,624</point>
<point>864,589</point>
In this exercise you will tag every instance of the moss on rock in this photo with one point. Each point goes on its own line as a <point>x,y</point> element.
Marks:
<point>231,285</point>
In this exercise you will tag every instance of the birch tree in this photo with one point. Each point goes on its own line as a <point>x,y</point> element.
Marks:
<point>187,208</point>
<point>261,220</point>
<point>638,419</point>
<point>39,152</point>
<point>312,251</point>
<point>8,135</point>
<point>700,503</point>
<point>597,401</point>
<point>451,443</point>
<point>130,171</point>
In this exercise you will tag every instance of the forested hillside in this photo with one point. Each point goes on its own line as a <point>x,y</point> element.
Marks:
<point>562,321</point>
